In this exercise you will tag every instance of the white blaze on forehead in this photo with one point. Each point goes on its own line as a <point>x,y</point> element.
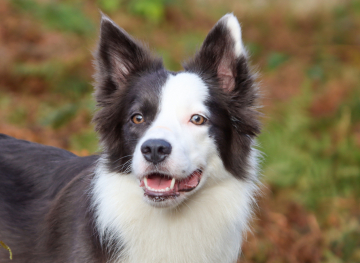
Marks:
<point>184,94</point>
<point>234,27</point>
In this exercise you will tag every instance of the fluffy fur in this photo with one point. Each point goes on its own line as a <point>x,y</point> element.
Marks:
<point>200,123</point>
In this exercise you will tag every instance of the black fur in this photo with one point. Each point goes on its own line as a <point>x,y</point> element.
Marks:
<point>45,211</point>
<point>233,94</point>
<point>122,93</point>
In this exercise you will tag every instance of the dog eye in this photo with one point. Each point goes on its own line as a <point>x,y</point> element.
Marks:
<point>137,119</point>
<point>198,119</point>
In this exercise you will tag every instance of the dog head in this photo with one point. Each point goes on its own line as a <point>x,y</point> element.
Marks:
<point>175,132</point>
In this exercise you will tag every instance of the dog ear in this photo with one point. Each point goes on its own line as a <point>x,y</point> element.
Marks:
<point>222,54</point>
<point>222,64</point>
<point>117,58</point>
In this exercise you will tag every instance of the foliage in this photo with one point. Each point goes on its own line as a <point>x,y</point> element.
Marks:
<point>318,158</point>
<point>58,15</point>
<point>309,61</point>
<point>109,6</point>
<point>6,247</point>
<point>275,59</point>
<point>151,10</point>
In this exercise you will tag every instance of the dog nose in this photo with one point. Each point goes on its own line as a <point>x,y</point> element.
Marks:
<point>155,150</point>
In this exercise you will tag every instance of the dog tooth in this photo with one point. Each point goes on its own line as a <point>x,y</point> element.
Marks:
<point>167,189</point>
<point>145,181</point>
<point>172,183</point>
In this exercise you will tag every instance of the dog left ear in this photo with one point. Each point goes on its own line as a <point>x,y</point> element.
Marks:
<point>222,64</point>
<point>222,54</point>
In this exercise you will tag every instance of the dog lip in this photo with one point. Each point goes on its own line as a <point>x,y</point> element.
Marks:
<point>162,194</point>
<point>158,199</point>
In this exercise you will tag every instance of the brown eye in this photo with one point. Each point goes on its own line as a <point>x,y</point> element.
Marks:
<point>198,119</point>
<point>137,119</point>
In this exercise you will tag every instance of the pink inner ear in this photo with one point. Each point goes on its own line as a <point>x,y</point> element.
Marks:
<point>120,70</point>
<point>226,77</point>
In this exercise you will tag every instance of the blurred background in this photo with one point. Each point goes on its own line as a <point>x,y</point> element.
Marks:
<point>308,56</point>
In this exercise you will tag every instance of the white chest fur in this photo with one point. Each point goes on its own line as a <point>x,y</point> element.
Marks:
<point>206,228</point>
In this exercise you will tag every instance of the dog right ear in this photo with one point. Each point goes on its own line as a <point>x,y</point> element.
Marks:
<point>117,58</point>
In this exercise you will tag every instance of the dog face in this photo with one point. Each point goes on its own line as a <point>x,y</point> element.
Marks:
<point>170,159</point>
<point>175,132</point>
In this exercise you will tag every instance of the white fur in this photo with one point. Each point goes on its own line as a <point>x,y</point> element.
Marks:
<point>207,228</point>
<point>207,225</point>
<point>234,27</point>
<point>183,95</point>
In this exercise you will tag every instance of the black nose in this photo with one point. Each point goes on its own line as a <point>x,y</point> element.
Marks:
<point>155,150</point>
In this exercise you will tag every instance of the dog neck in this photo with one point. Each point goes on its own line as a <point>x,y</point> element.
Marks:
<point>201,229</point>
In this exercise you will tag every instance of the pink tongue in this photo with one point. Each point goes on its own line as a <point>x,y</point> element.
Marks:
<point>156,181</point>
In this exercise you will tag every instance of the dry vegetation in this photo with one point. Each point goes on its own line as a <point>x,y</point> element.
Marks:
<point>308,54</point>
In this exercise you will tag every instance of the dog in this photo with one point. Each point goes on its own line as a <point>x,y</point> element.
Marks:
<point>177,175</point>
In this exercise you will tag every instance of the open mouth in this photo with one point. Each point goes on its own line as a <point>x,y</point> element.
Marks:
<point>160,187</point>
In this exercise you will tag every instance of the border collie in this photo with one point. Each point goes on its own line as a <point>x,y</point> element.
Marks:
<point>176,179</point>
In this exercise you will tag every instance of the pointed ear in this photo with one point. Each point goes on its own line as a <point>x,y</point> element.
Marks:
<point>117,58</point>
<point>222,54</point>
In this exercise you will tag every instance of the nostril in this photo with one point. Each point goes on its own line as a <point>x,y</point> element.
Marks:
<point>164,149</point>
<point>145,149</point>
<point>161,150</point>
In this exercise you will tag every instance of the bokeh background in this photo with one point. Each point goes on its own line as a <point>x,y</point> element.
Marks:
<point>308,55</point>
